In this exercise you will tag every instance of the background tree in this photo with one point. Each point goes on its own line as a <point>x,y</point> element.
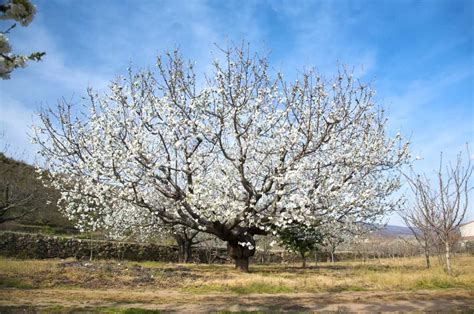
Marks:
<point>332,240</point>
<point>186,239</point>
<point>416,219</point>
<point>342,233</point>
<point>265,244</point>
<point>301,239</point>
<point>23,12</point>
<point>234,155</point>
<point>443,204</point>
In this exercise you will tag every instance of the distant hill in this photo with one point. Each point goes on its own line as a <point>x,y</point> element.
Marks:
<point>18,182</point>
<point>391,231</point>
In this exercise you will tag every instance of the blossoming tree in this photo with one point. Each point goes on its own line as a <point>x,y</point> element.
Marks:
<point>21,11</point>
<point>242,152</point>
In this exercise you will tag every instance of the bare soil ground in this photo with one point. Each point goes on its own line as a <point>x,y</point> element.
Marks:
<point>69,286</point>
<point>110,300</point>
<point>65,300</point>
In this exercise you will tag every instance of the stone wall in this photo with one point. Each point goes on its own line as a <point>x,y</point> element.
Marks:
<point>27,245</point>
<point>24,245</point>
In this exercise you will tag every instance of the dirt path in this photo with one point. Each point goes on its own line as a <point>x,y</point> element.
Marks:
<point>446,300</point>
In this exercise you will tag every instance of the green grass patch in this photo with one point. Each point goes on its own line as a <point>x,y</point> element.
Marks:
<point>139,311</point>
<point>203,289</point>
<point>260,287</point>
<point>149,264</point>
<point>14,283</point>
<point>253,287</point>
<point>436,283</point>
<point>354,288</point>
<point>242,312</point>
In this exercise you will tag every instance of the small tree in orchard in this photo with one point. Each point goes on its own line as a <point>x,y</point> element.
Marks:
<point>301,239</point>
<point>416,219</point>
<point>339,233</point>
<point>333,239</point>
<point>239,153</point>
<point>441,206</point>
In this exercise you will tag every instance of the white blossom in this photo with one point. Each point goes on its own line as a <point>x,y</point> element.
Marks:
<point>23,12</point>
<point>244,155</point>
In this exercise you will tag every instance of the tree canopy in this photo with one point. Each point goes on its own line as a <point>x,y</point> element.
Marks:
<point>235,154</point>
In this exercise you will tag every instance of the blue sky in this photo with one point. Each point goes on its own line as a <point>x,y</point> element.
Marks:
<point>419,55</point>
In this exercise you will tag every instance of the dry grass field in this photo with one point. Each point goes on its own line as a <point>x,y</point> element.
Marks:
<point>111,286</point>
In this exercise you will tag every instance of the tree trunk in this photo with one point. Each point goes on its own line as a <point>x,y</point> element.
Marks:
<point>241,254</point>
<point>188,253</point>
<point>448,258</point>
<point>427,257</point>
<point>185,251</point>
<point>303,258</point>
<point>427,254</point>
<point>242,264</point>
<point>332,256</point>
<point>91,248</point>
<point>184,248</point>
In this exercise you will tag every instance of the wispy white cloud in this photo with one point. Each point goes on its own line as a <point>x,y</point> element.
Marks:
<point>423,110</point>
<point>320,40</point>
<point>56,69</point>
<point>434,121</point>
